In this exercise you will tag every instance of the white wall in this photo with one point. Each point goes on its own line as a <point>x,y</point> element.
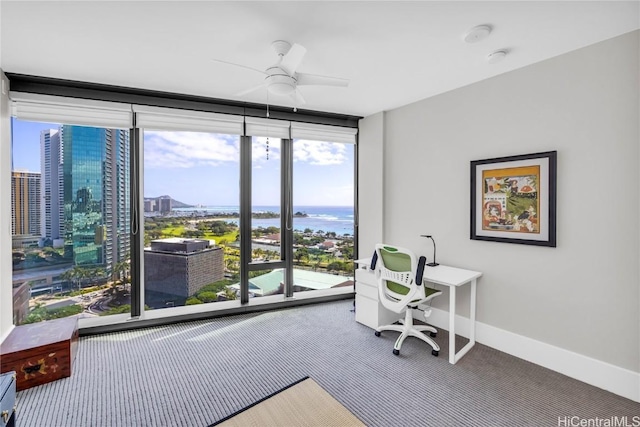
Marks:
<point>582,296</point>
<point>370,183</point>
<point>6,290</point>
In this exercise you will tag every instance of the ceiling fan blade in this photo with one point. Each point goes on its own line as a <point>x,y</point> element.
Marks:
<point>297,98</point>
<point>292,60</point>
<point>239,65</point>
<point>313,79</point>
<point>251,89</point>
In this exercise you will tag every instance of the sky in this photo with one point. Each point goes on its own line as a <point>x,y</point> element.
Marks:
<point>203,169</point>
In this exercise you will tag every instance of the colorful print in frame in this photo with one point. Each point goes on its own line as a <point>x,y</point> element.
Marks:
<point>513,199</point>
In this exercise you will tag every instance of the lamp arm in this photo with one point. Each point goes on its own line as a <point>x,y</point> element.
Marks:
<point>434,263</point>
<point>434,250</point>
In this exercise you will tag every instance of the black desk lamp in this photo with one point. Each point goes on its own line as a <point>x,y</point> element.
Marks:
<point>434,263</point>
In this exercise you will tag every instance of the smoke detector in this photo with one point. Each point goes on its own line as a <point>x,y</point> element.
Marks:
<point>478,33</point>
<point>496,56</point>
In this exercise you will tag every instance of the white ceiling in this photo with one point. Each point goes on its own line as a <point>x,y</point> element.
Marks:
<point>393,52</point>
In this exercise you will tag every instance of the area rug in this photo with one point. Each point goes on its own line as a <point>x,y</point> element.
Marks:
<point>303,403</point>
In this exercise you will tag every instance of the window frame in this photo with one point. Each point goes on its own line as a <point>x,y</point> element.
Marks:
<point>95,96</point>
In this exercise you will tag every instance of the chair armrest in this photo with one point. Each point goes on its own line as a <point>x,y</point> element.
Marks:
<point>430,296</point>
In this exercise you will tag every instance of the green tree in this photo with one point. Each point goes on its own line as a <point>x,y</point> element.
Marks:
<point>41,313</point>
<point>347,252</point>
<point>301,253</point>
<point>35,257</point>
<point>207,296</point>
<point>192,301</point>
<point>121,271</point>
<point>74,275</point>
<point>124,308</point>
<point>335,266</point>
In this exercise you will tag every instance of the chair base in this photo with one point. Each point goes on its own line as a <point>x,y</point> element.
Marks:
<point>408,329</point>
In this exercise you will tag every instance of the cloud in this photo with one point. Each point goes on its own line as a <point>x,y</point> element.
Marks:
<point>319,153</point>
<point>164,149</point>
<point>189,149</point>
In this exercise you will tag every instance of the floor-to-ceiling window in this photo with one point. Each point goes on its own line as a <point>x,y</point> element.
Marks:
<point>266,276</point>
<point>323,217</point>
<point>191,197</point>
<point>191,211</point>
<point>130,209</point>
<point>70,220</point>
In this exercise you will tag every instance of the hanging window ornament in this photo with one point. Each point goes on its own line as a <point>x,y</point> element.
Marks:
<point>267,148</point>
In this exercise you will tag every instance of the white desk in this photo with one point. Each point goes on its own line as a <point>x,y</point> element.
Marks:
<point>453,278</point>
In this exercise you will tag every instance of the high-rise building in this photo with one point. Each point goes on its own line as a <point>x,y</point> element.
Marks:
<point>52,188</point>
<point>165,205</point>
<point>25,203</point>
<point>96,194</point>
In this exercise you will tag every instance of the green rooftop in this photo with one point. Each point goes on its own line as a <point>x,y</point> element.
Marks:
<point>269,283</point>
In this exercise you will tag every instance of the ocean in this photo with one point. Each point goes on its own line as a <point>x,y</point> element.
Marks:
<point>337,219</point>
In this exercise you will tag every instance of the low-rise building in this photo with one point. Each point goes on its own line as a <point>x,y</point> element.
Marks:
<point>181,267</point>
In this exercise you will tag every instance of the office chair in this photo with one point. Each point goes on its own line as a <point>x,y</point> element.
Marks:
<point>400,290</point>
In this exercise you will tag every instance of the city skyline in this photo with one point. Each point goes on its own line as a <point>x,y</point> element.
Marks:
<point>173,161</point>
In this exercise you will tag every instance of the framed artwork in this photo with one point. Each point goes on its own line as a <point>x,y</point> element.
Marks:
<point>513,199</point>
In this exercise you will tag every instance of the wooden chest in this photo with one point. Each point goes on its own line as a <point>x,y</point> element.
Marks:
<point>40,352</point>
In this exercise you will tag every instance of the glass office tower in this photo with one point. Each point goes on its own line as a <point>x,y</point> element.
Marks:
<point>96,195</point>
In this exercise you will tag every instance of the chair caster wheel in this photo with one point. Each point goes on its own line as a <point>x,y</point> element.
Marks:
<point>377,333</point>
<point>396,352</point>
<point>435,353</point>
<point>433,334</point>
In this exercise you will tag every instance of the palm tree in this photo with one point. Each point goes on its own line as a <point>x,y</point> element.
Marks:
<point>75,275</point>
<point>120,271</point>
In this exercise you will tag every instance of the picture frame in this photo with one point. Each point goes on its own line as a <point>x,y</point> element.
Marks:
<point>513,199</point>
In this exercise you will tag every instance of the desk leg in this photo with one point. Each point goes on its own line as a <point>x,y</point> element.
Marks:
<point>472,314</point>
<point>452,324</point>
<point>472,327</point>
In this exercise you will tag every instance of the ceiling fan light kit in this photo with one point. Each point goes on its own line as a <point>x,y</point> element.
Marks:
<point>281,84</point>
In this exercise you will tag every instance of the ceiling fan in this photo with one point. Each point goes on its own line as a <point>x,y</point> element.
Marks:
<point>282,79</point>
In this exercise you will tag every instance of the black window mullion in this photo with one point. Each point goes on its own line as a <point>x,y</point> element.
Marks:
<point>245,216</point>
<point>287,215</point>
<point>137,235</point>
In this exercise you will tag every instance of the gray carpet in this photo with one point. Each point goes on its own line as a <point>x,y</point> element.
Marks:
<point>193,374</point>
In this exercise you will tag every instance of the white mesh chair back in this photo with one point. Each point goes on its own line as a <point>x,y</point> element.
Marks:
<point>396,269</point>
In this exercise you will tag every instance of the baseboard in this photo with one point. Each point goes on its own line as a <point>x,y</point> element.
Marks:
<point>606,376</point>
